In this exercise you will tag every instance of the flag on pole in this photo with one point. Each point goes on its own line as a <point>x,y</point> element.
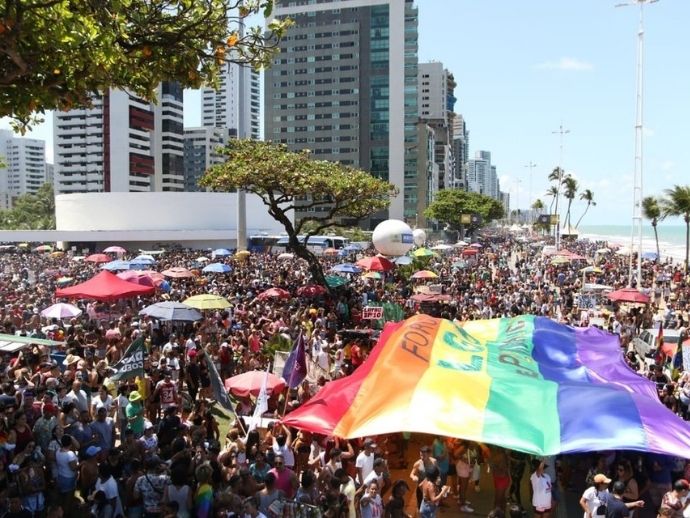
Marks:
<point>131,364</point>
<point>261,405</point>
<point>219,392</point>
<point>295,369</point>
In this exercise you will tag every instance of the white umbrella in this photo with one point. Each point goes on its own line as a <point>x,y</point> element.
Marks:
<point>61,310</point>
<point>286,255</point>
<point>460,244</point>
<point>202,259</point>
<point>441,247</point>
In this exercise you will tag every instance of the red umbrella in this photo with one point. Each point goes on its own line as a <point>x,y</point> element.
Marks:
<point>311,290</point>
<point>274,293</point>
<point>470,251</point>
<point>376,264</point>
<point>250,383</point>
<point>430,297</point>
<point>628,295</point>
<point>98,258</point>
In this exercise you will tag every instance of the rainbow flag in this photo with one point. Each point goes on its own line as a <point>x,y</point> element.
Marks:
<point>525,383</point>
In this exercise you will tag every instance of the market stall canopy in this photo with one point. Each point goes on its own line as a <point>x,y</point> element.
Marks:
<point>13,343</point>
<point>525,383</point>
<point>104,286</point>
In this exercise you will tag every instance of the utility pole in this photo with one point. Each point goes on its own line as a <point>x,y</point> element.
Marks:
<point>562,132</point>
<point>639,146</point>
<point>531,166</point>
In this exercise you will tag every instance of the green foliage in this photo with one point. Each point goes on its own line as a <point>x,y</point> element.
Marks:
<point>55,54</point>
<point>570,187</point>
<point>677,203</point>
<point>277,342</point>
<point>450,204</point>
<point>287,181</point>
<point>31,211</point>
<point>652,211</point>
<point>588,196</point>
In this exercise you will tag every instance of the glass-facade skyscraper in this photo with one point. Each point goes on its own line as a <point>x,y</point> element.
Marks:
<point>345,86</point>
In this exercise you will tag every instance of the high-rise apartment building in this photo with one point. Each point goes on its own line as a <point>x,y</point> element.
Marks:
<point>481,175</point>
<point>436,102</point>
<point>461,148</point>
<point>120,144</point>
<point>345,86</point>
<point>22,167</point>
<point>169,138</point>
<point>236,105</point>
<point>200,145</point>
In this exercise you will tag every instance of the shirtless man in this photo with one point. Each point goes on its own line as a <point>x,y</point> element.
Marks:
<point>419,469</point>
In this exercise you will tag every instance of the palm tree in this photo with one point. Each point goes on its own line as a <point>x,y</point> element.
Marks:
<point>570,190</point>
<point>677,203</point>
<point>588,196</point>
<point>552,192</point>
<point>557,176</point>
<point>651,211</point>
<point>538,205</point>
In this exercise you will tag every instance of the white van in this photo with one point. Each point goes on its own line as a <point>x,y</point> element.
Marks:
<point>645,344</point>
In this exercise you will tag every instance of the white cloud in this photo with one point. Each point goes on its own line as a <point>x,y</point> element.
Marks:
<point>565,63</point>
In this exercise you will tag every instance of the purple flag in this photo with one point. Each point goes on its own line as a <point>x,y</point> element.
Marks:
<point>295,369</point>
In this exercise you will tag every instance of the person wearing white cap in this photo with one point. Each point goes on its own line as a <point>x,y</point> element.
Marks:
<point>594,496</point>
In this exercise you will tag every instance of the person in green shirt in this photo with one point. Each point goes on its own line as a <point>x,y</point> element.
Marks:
<point>135,414</point>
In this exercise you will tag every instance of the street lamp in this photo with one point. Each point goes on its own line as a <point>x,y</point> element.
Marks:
<point>639,148</point>
<point>531,166</point>
<point>562,132</point>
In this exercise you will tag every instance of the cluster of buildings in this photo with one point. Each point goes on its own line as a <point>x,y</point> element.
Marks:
<point>347,85</point>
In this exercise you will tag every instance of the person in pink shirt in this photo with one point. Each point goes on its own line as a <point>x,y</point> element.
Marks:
<point>286,480</point>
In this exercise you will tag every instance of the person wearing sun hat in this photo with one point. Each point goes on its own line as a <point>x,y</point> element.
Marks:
<point>135,413</point>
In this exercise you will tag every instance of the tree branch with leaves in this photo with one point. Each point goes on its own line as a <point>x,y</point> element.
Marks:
<point>56,55</point>
<point>286,181</point>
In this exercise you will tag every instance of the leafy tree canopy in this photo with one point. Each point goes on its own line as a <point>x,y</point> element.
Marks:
<point>287,180</point>
<point>55,54</point>
<point>450,204</point>
<point>31,211</point>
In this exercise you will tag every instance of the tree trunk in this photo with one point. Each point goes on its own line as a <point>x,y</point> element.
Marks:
<point>687,242</point>
<point>583,215</point>
<point>656,238</point>
<point>298,247</point>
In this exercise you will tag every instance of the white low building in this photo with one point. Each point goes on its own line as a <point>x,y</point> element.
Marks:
<point>149,220</point>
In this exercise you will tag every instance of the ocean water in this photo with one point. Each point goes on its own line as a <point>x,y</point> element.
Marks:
<point>671,237</point>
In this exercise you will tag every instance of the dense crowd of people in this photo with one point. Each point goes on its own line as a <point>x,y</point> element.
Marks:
<point>73,441</point>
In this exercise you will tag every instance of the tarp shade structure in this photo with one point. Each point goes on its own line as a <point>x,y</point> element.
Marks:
<point>104,287</point>
<point>525,383</point>
<point>12,343</point>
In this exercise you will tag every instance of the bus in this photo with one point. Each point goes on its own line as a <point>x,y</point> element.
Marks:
<point>316,244</point>
<point>262,243</point>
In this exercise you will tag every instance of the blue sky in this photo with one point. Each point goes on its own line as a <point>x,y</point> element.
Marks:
<point>523,68</point>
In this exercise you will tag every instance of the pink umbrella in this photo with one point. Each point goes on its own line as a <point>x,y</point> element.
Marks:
<point>250,383</point>
<point>274,293</point>
<point>98,258</point>
<point>629,295</point>
<point>178,272</point>
<point>137,278</point>
<point>156,277</point>
<point>424,274</point>
<point>115,250</point>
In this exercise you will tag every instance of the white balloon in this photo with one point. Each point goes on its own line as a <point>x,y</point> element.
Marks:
<point>419,236</point>
<point>392,237</point>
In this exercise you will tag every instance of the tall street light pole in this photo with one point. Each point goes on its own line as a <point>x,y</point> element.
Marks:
<point>531,166</point>
<point>562,132</point>
<point>639,146</point>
